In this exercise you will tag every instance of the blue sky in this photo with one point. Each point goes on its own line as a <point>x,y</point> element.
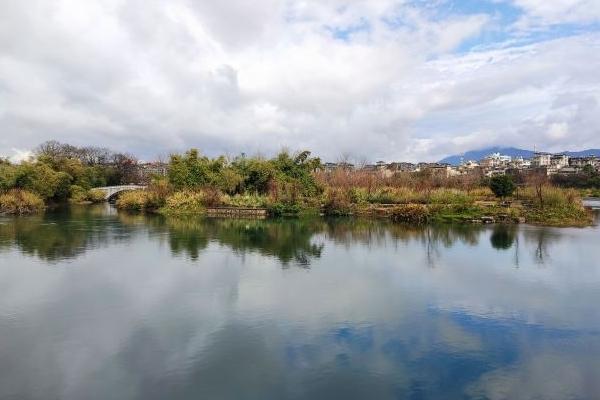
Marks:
<point>391,80</point>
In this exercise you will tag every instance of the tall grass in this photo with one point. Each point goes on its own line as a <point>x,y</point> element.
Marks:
<point>373,180</point>
<point>554,206</point>
<point>96,196</point>
<point>246,201</point>
<point>19,201</point>
<point>185,202</point>
<point>135,200</point>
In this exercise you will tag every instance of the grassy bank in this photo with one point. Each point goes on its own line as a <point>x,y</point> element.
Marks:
<point>545,206</point>
<point>18,202</point>
<point>590,193</point>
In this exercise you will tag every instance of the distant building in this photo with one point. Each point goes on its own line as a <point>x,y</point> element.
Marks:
<point>570,170</point>
<point>470,164</point>
<point>520,163</point>
<point>402,167</point>
<point>495,160</point>
<point>495,172</point>
<point>380,165</point>
<point>445,170</point>
<point>147,171</point>
<point>559,161</point>
<point>329,166</point>
<point>541,160</point>
<point>583,161</point>
<point>154,168</point>
<point>369,167</point>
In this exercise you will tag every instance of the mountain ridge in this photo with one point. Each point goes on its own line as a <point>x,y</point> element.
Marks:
<point>509,151</point>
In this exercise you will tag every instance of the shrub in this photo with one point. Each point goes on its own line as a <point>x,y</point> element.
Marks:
<point>383,196</point>
<point>502,185</point>
<point>18,201</point>
<point>212,197</point>
<point>96,195</point>
<point>135,200</point>
<point>337,203</point>
<point>185,202</point>
<point>43,180</point>
<point>77,194</point>
<point>358,195</point>
<point>411,213</point>
<point>280,208</point>
<point>245,200</point>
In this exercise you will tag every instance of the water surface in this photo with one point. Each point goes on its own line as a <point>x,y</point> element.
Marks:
<point>96,304</point>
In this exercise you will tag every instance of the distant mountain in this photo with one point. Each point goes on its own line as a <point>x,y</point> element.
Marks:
<point>509,151</point>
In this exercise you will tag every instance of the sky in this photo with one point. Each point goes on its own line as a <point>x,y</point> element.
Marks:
<point>367,79</point>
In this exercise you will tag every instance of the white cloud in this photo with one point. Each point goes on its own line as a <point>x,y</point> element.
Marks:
<point>375,79</point>
<point>20,155</point>
<point>540,13</point>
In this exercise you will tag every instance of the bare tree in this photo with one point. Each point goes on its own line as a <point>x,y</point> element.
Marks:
<point>538,180</point>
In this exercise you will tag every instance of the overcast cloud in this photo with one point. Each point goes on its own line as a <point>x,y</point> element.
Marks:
<point>391,80</point>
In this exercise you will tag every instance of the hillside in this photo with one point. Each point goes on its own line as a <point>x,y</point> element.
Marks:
<point>509,151</point>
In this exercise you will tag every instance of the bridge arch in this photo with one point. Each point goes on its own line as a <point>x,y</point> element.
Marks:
<point>111,192</point>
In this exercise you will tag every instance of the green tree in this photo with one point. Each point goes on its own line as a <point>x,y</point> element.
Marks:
<point>40,178</point>
<point>502,185</point>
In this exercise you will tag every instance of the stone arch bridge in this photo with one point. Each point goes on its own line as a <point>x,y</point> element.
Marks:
<point>111,192</point>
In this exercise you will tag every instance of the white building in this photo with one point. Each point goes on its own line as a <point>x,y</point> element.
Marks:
<point>470,164</point>
<point>541,160</point>
<point>495,160</point>
<point>559,161</point>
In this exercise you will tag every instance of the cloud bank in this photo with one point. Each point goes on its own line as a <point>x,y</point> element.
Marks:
<point>392,80</point>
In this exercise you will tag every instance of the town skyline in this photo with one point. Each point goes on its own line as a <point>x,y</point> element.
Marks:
<point>452,159</point>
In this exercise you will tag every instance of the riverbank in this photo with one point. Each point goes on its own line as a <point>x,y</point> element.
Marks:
<point>550,207</point>
<point>20,202</point>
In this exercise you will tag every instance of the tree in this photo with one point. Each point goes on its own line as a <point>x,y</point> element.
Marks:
<point>502,237</point>
<point>502,186</point>
<point>538,180</point>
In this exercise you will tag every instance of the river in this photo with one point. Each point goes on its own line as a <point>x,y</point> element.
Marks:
<point>96,304</point>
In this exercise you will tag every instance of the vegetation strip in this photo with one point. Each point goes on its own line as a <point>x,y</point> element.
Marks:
<point>286,185</point>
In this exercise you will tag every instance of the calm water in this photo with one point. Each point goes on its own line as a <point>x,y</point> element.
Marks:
<point>95,304</point>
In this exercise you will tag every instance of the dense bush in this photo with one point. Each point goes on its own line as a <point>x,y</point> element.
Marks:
<point>410,213</point>
<point>337,203</point>
<point>279,209</point>
<point>185,202</point>
<point>502,186</point>
<point>282,174</point>
<point>95,196</point>
<point>136,200</point>
<point>78,194</point>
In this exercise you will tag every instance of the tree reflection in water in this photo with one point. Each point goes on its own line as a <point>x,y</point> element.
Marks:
<point>503,237</point>
<point>290,241</point>
<point>62,234</point>
<point>68,233</point>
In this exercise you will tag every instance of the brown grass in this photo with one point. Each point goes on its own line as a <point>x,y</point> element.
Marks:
<point>19,201</point>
